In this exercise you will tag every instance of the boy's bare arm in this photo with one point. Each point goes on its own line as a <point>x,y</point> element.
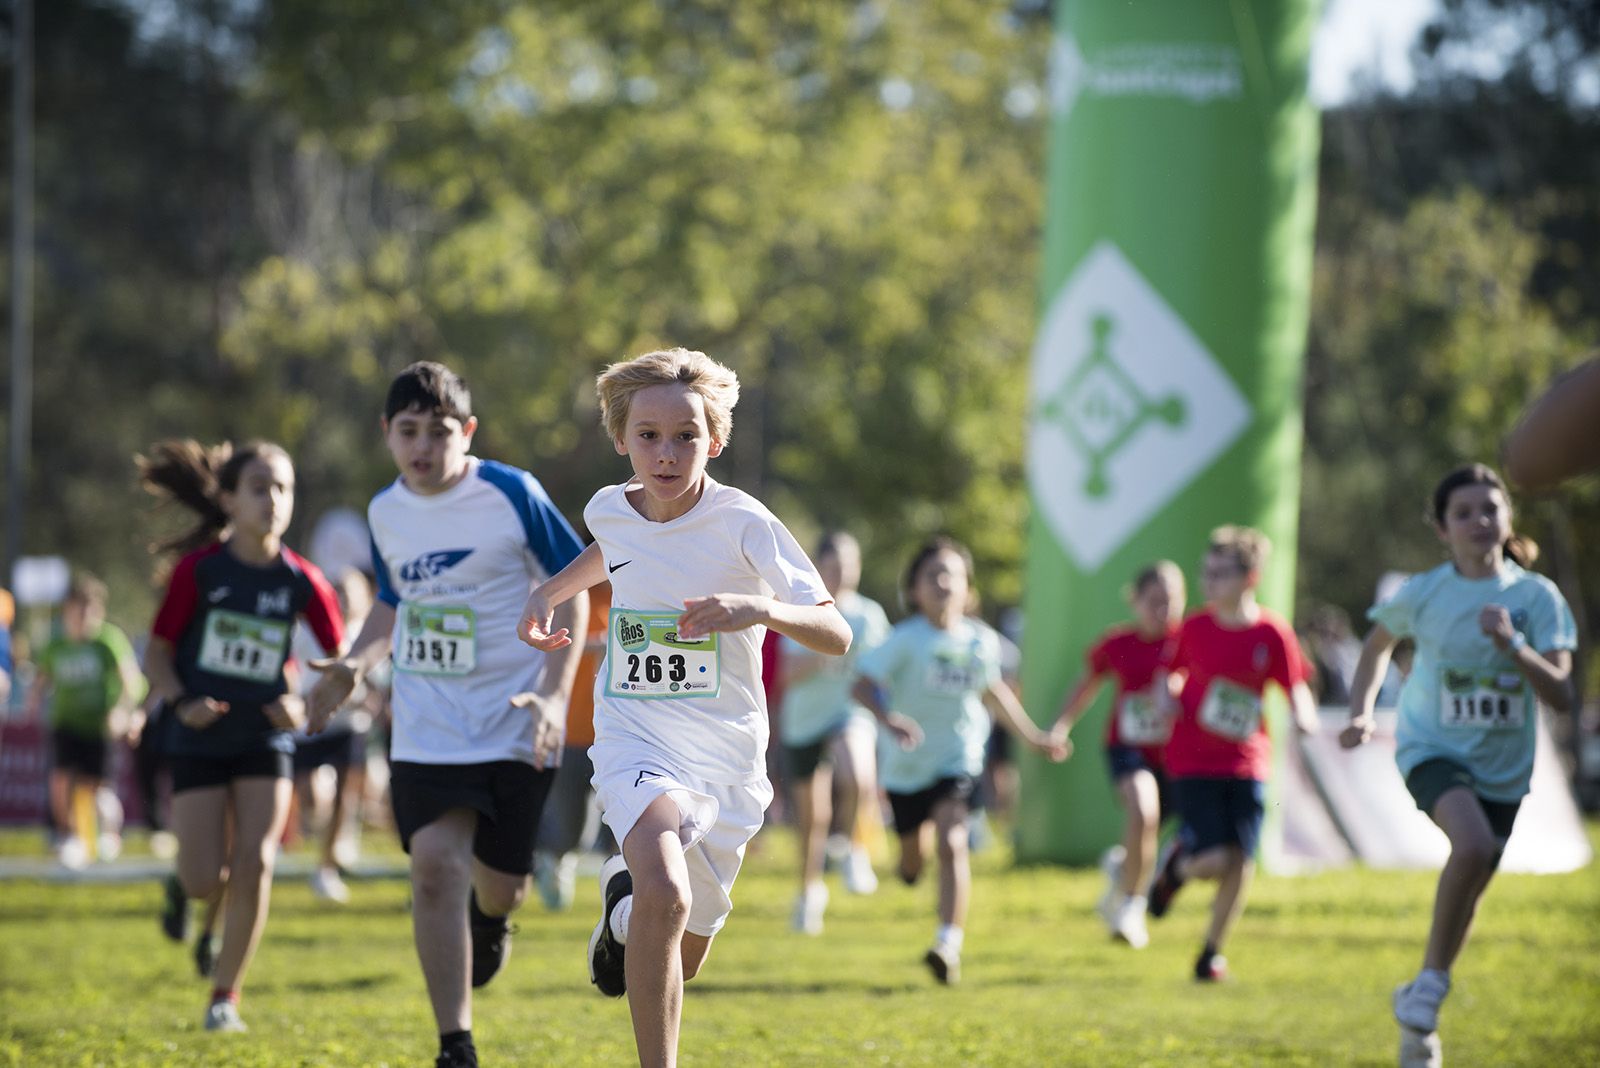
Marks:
<point>538,627</point>
<point>818,627</point>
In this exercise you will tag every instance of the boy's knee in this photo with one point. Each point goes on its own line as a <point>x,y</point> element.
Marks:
<point>433,874</point>
<point>661,895</point>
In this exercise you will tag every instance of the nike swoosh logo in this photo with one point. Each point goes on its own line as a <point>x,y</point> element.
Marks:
<point>216,595</point>
<point>613,567</point>
<point>644,774</point>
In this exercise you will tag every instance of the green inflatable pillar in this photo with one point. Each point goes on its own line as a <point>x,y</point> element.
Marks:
<point>1166,377</point>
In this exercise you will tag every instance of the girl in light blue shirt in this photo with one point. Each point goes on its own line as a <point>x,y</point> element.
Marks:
<point>932,686</point>
<point>1493,641</point>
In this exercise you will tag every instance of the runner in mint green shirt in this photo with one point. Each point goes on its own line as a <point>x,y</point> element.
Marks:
<point>829,740</point>
<point>1494,641</point>
<point>932,686</point>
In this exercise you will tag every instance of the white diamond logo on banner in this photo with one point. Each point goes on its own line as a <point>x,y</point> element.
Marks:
<point>1128,408</point>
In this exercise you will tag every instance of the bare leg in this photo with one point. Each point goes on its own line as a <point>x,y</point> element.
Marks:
<point>1230,869</point>
<point>813,802</point>
<point>955,873</point>
<point>61,801</point>
<point>914,849</point>
<point>441,877</point>
<point>200,821</point>
<point>260,807</point>
<point>655,965</point>
<point>1466,875</point>
<point>1140,829</point>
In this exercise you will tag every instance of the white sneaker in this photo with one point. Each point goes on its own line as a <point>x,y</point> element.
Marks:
<point>944,962</point>
<point>859,878</point>
<point>1111,902</point>
<point>1418,1050</point>
<point>108,847</point>
<point>224,1016</point>
<point>834,850</point>
<point>557,878</point>
<point>1416,1004</point>
<point>808,909</point>
<point>326,884</point>
<point>163,845</point>
<point>72,853</point>
<point>1128,923</point>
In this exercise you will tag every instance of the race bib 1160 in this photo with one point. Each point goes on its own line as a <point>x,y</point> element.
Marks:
<point>1483,698</point>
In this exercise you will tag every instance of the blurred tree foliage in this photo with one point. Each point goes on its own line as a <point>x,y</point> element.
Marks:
<point>251,215</point>
<point>1458,268</point>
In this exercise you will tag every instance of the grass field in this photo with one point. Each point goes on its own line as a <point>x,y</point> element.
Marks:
<point>87,979</point>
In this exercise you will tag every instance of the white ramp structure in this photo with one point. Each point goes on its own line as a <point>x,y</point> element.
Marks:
<point>1363,796</point>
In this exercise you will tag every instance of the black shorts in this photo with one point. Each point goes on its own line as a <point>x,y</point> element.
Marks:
<point>1127,759</point>
<point>1220,811</point>
<point>1431,779</point>
<point>336,749</point>
<point>911,811</point>
<point>195,772</point>
<point>507,795</point>
<point>74,752</point>
<point>800,762</point>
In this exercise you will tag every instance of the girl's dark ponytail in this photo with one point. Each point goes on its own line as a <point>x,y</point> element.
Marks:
<point>186,472</point>
<point>196,477</point>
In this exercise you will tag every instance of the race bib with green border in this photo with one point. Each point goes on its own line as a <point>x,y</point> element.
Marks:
<point>1141,722</point>
<point>1483,698</point>
<point>436,639</point>
<point>646,659</point>
<point>243,647</point>
<point>1230,711</point>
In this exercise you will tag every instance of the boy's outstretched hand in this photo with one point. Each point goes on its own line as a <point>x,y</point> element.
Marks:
<point>534,629</point>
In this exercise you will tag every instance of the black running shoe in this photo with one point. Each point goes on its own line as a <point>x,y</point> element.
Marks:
<point>1167,879</point>
<point>606,954</point>
<point>1211,967</point>
<point>205,955</point>
<point>457,1057</point>
<point>491,942</point>
<point>175,911</point>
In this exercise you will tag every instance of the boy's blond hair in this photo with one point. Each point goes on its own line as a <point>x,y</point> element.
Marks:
<point>717,386</point>
<point>1246,544</point>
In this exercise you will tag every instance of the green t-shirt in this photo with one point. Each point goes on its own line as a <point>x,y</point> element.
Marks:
<point>85,679</point>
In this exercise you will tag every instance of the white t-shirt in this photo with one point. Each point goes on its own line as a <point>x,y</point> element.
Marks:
<point>727,543</point>
<point>457,567</point>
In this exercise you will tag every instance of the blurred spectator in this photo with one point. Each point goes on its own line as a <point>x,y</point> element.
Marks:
<point>341,747</point>
<point>93,682</point>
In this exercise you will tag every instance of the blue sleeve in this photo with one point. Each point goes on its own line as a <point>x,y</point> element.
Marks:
<point>5,650</point>
<point>550,537</point>
<point>380,572</point>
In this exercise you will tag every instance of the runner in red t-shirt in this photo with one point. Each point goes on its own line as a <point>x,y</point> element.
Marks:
<point>1220,754</point>
<point>1136,730</point>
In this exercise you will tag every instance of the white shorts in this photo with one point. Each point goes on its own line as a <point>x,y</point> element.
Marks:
<point>716,822</point>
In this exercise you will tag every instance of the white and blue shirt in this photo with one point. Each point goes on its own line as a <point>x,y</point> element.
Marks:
<point>1465,700</point>
<point>938,678</point>
<point>457,568</point>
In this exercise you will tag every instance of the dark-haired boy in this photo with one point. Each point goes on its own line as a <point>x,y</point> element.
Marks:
<point>457,543</point>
